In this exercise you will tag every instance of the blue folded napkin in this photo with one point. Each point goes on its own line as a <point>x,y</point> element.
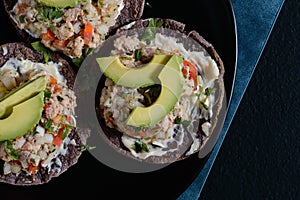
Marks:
<point>254,22</point>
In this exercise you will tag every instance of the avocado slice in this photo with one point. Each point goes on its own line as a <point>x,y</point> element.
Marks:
<point>23,118</point>
<point>20,94</point>
<point>59,3</point>
<point>171,79</point>
<point>133,77</point>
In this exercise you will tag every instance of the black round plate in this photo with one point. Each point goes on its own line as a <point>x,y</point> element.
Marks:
<point>214,20</point>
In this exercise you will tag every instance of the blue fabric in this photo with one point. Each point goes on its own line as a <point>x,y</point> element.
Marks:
<point>254,22</point>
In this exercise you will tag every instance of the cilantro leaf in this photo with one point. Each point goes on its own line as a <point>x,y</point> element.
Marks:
<point>209,91</point>
<point>137,55</point>
<point>10,151</point>
<point>38,46</point>
<point>49,13</point>
<point>151,30</point>
<point>140,146</point>
<point>78,61</point>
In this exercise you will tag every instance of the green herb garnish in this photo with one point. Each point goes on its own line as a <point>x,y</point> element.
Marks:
<point>49,13</point>
<point>151,30</point>
<point>209,91</point>
<point>78,61</point>
<point>47,94</point>
<point>177,120</point>
<point>22,19</point>
<point>48,125</point>
<point>38,46</point>
<point>150,93</point>
<point>60,99</point>
<point>86,147</point>
<point>137,55</point>
<point>65,133</point>
<point>140,146</point>
<point>205,106</point>
<point>185,123</point>
<point>35,132</point>
<point>10,151</point>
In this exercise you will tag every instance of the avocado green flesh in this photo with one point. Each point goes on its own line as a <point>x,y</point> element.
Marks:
<point>133,77</point>
<point>59,3</point>
<point>20,94</point>
<point>23,118</point>
<point>171,79</point>
<point>148,116</point>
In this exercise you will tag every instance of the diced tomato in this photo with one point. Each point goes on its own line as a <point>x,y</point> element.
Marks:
<point>57,139</point>
<point>52,80</point>
<point>142,133</point>
<point>184,71</point>
<point>60,44</point>
<point>56,88</point>
<point>32,169</point>
<point>22,8</point>
<point>46,106</point>
<point>49,36</point>
<point>192,68</point>
<point>69,119</point>
<point>87,33</point>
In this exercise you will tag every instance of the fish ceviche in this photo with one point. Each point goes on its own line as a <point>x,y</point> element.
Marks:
<point>41,147</point>
<point>73,30</point>
<point>188,121</point>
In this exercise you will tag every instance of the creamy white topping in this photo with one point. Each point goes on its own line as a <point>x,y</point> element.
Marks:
<point>207,64</point>
<point>72,30</point>
<point>196,101</point>
<point>41,146</point>
<point>25,66</point>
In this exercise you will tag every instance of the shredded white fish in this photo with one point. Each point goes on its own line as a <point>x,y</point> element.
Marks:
<point>193,106</point>
<point>40,147</point>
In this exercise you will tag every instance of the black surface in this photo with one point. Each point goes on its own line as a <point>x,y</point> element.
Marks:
<point>91,177</point>
<point>260,156</point>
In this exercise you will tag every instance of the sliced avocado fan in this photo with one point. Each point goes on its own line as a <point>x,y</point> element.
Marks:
<point>162,69</point>
<point>59,3</point>
<point>143,76</point>
<point>171,79</point>
<point>21,109</point>
<point>23,118</point>
<point>21,94</point>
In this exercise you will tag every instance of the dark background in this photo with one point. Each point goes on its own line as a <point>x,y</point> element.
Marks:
<point>260,156</point>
